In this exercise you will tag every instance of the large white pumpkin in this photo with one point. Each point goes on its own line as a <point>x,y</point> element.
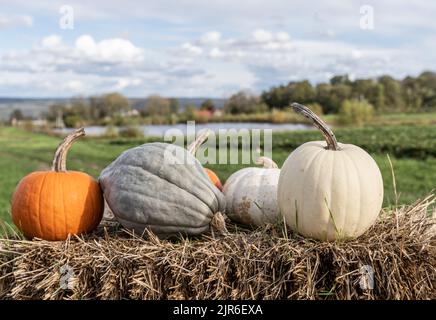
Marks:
<point>329,190</point>
<point>251,194</point>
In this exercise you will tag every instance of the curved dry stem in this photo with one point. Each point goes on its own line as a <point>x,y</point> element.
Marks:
<point>267,163</point>
<point>60,158</point>
<point>193,147</point>
<point>329,136</point>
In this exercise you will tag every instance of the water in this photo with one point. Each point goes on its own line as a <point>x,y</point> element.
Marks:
<point>159,130</point>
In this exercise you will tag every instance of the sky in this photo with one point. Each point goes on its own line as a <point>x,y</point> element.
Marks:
<point>210,48</point>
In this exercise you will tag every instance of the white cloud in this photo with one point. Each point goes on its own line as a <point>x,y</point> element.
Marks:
<point>246,44</point>
<point>75,86</point>
<point>211,37</point>
<point>52,41</point>
<point>273,58</point>
<point>192,49</point>
<point>9,21</point>
<point>282,36</point>
<point>109,49</point>
<point>216,53</point>
<point>55,68</point>
<point>124,83</point>
<point>86,44</point>
<point>195,68</point>
<point>261,35</point>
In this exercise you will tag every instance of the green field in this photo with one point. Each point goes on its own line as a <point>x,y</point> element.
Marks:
<point>412,150</point>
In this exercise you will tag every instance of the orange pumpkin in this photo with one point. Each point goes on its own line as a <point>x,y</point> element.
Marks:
<point>50,205</point>
<point>214,178</point>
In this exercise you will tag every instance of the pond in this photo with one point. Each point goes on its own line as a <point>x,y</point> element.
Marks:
<point>160,130</point>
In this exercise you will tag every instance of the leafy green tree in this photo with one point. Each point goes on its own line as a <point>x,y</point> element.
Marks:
<point>384,93</point>
<point>355,112</point>
<point>427,84</point>
<point>208,105</point>
<point>73,121</point>
<point>369,89</point>
<point>394,99</point>
<point>282,96</point>
<point>412,94</point>
<point>156,105</point>
<point>80,107</point>
<point>340,79</point>
<point>338,94</point>
<point>115,103</point>
<point>107,105</point>
<point>174,106</point>
<point>323,96</point>
<point>244,102</point>
<point>301,91</point>
<point>275,98</point>
<point>190,111</point>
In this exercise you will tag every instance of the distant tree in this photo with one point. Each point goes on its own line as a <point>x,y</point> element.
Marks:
<point>282,96</point>
<point>338,94</point>
<point>73,120</point>
<point>301,92</point>
<point>356,112</point>
<point>16,115</point>
<point>275,98</point>
<point>412,93</point>
<point>190,111</point>
<point>323,97</point>
<point>394,99</point>
<point>80,107</point>
<point>107,105</point>
<point>174,105</point>
<point>96,107</point>
<point>156,105</point>
<point>427,85</point>
<point>115,103</point>
<point>370,90</point>
<point>244,102</point>
<point>208,105</point>
<point>340,79</point>
<point>383,93</point>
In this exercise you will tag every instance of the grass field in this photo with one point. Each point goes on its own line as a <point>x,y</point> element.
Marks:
<point>412,150</point>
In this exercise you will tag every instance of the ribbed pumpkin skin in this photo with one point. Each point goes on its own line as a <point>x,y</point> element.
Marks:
<point>251,196</point>
<point>50,205</point>
<point>327,194</point>
<point>214,178</point>
<point>144,190</point>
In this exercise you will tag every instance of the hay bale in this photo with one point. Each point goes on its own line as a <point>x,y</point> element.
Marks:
<point>266,263</point>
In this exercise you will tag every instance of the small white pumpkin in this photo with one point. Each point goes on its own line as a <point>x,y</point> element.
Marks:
<point>329,190</point>
<point>251,194</point>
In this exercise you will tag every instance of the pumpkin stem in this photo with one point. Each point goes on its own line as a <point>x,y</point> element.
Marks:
<point>218,224</point>
<point>60,158</point>
<point>267,163</point>
<point>193,147</point>
<point>329,136</point>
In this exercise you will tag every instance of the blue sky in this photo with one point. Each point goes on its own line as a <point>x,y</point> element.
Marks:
<point>206,48</point>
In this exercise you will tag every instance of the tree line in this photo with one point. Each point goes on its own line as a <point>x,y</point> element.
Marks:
<point>339,95</point>
<point>385,93</point>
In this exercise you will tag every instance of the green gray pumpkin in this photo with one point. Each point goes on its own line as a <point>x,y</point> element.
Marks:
<point>149,187</point>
